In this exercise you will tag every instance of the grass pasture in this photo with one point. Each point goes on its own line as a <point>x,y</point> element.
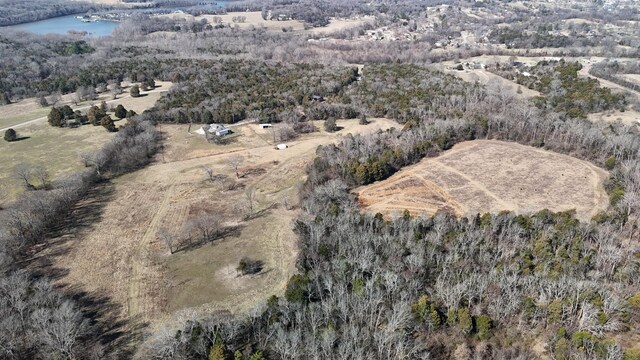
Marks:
<point>57,149</point>
<point>490,176</point>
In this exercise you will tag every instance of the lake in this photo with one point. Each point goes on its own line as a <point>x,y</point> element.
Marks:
<point>61,25</point>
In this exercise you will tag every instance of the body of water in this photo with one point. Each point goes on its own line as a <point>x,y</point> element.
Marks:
<point>63,24</point>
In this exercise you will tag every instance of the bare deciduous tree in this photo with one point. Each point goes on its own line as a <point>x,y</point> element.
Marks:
<point>24,174</point>
<point>167,238</point>
<point>234,163</point>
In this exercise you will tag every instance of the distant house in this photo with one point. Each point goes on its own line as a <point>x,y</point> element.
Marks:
<point>217,129</point>
<point>265,126</point>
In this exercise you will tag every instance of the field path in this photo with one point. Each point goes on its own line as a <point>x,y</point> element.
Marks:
<point>137,259</point>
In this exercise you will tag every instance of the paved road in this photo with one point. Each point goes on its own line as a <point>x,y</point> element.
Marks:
<point>28,122</point>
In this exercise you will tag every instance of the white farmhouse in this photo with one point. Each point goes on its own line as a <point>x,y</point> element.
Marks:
<point>217,129</point>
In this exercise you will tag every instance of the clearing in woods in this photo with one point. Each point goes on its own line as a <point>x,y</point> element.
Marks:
<point>121,257</point>
<point>490,176</point>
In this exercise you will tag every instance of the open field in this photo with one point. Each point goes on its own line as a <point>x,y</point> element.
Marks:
<point>632,77</point>
<point>120,256</point>
<point>490,176</point>
<point>252,19</point>
<point>57,149</point>
<point>628,117</point>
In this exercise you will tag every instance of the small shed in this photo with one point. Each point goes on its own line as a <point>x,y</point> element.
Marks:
<point>281,146</point>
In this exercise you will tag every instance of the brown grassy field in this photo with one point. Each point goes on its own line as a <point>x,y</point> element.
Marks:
<point>252,19</point>
<point>627,117</point>
<point>57,149</point>
<point>632,77</point>
<point>120,257</point>
<point>490,176</point>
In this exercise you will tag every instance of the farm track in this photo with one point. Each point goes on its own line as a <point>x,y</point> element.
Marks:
<point>137,257</point>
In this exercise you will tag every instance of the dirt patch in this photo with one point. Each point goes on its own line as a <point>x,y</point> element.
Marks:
<point>491,176</point>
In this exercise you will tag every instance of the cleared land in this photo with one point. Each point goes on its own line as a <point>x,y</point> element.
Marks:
<point>251,19</point>
<point>628,117</point>
<point>632,77</point>
<point>254,19</point>
<point>491,176</point>
<point>120,256</point>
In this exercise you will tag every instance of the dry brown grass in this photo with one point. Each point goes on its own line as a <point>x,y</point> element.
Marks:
<point>252,19</point>
<point>632,77</point>
<point>627,117</point>
<point>491,176</point>
<point>120,256</point>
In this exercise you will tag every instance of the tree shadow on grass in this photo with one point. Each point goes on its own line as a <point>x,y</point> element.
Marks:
<point>118,336</point>
<point>227,231</point>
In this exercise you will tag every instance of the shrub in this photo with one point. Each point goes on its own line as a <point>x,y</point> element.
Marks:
<point>120,112</point>
<point>10,135</point>
<point>135,91</point>
<point>330,125</point>
<point>250,266</point>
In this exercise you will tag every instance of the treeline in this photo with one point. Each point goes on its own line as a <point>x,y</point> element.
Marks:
<point>18,12</point>
<point>38,319</point>
<point>486,286</point>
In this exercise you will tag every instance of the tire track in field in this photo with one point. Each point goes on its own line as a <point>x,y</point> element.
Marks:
<point>137,262</point>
